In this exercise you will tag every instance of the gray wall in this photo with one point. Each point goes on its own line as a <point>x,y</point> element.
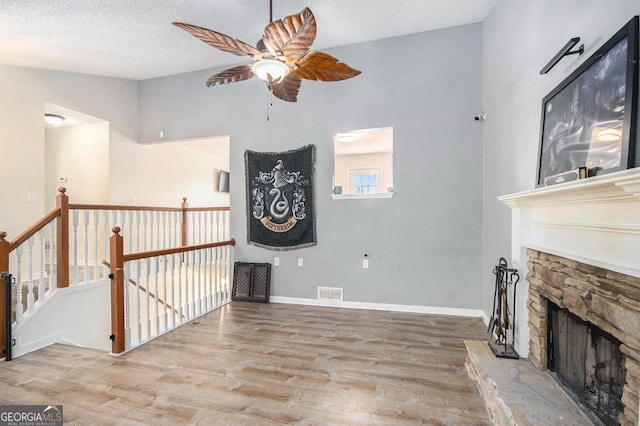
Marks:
<point>519,38</point>
<point>424,245</point>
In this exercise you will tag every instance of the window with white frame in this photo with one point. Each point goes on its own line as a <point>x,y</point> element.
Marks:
<point>364,181</point>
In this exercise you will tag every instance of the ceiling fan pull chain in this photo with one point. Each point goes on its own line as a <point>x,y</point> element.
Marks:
<point>269,104</point>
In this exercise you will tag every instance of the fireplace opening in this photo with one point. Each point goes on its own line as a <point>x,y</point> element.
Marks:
<point>587,361</point>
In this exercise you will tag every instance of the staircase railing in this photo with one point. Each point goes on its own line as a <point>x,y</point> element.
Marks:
<point>68,245</point>
<point>179,284</point>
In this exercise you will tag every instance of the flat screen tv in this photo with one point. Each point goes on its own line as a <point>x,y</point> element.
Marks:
<point>589,122</point>
<point>223,181</point>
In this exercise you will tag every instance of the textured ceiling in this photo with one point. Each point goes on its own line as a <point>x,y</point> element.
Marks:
<point>134,39</point>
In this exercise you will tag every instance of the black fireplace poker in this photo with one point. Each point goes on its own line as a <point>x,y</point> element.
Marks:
<point>503,317</point>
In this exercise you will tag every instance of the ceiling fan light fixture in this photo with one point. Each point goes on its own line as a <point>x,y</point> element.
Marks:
<point>270,70</point>
<point>345,137</point>
<point>53,119</point>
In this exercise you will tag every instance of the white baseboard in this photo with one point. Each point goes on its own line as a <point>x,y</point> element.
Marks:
<point>382,307</point>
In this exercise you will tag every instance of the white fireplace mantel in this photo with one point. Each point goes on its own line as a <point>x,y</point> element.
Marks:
<point>594,221</point>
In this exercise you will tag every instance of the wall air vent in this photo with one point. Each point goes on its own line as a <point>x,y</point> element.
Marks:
<point>330,293</point>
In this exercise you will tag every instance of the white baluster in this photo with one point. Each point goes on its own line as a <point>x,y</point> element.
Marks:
<point>114,219</point>
<point>178,230</point>
<point>193,283</point>
<point>96,257</point>
<point>219,227</point>
<point>127,305</point>
<point>30,297</point>
<point>147,224</point>
<point>165,229</point>
<point>210,221</point>
<point>216,273</point>
<point>158,225</point>
<point>212,279</point>
<point>138,219</point>
<point>187,299</point>
<point>170,230</point>
<point>178,261</point>
<point>214,276</point>
<point>137,293</point>
<point>75,216</point>
<point>147,285</point>
<point>227,275</point>
<point>202,269</point>
<point>165,296</point>
<point>86,244</point>
<point>19,307</point>
<point>200,225</point>
<point>156,316</point>
<point>43,272</point>
<point>129,220</point>
<point>53,284</point>
<point>105,239</point>
<point>225,224</point>
<point>193,220</point>
<point>172,287</point>
<point>197,293</point>
<point>220,275</point>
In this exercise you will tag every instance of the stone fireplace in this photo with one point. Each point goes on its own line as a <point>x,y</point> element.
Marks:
<point>606,299</point>
<point>578,244</point>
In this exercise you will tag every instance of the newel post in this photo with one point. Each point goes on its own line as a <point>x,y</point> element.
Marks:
<point>185,226</point>
<point>4,252</point>
<point>116,245</point>
<point>62,239</point>
<point>4,267</point>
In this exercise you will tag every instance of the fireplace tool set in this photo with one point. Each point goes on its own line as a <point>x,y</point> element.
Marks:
<point>503,316</point>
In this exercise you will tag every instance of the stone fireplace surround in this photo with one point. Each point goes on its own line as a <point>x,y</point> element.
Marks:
<point>578,244</point>
<point>607,299</point>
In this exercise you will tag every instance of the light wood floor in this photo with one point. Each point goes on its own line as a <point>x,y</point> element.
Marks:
<point>266,364</point>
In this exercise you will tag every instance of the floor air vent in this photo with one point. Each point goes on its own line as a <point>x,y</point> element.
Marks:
<point>329,293</point>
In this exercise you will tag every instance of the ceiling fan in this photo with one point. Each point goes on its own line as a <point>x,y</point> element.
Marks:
<point>282,56</point>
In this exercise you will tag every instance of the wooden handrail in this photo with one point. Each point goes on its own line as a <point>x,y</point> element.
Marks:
<point>144,208</point>
<point>33,229</point>
<point>164,252</point>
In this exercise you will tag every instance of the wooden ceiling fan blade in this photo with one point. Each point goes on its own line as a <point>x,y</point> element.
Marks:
<point>287,89</point>
<point>292,36</point>
<point>323,67</point>
<point>231,75</point>
<point>221,41</point>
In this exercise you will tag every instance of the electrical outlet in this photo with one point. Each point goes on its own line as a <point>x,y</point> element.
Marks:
<point>300,261</point>
<point>276,261</point>
<point>365,263</point>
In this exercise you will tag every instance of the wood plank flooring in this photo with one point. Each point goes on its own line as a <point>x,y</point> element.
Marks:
<point>266,364</point>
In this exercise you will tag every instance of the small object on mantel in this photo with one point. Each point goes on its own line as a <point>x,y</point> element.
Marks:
<point>503,318</point>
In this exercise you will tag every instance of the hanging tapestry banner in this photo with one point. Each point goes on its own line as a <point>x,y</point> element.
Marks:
<point>280,212</point>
